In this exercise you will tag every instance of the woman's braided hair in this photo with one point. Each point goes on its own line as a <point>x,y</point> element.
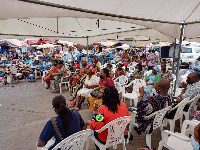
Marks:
<point>59,102</point>
<point>111,98</point>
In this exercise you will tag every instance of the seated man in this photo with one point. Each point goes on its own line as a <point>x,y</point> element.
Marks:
<point>152,104</point>
<point>165,74</point>
<point>47,64</point>
<point>191,88</point>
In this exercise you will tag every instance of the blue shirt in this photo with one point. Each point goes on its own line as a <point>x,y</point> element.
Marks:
<point>47,64</point>
<point>76,123</point>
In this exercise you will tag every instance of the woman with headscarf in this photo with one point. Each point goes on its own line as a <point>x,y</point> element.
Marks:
<point>89,84</point>
<point>77,80</point>
<point>151,79</point>
<point>62,73</point>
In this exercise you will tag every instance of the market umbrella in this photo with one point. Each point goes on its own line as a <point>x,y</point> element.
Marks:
<point>89,47</point>
<point>79,46</point>
<point>96,44</point>
<point>7,42</point>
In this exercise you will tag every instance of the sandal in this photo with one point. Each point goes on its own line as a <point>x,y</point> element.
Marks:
<point>71,99</point>
<point>72,105</point>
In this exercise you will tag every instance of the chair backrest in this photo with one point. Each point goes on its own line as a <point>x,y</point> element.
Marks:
<point>180,107</point>
<point>118,87</point>
<point>137,84</point>
<point>116,130</point>
<point>186,130</point>
<point>122,80</point>
<point>147,73</point>
<point>75,141</point>
<point>159,115</point>
<point>193,103</point>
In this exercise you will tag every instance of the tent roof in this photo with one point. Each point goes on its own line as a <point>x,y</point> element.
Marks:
<point>8,42</point>
<point>164,16</point>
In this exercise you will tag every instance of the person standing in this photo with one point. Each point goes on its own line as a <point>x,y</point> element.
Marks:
<point>125,59</point>
<point>165,74</point>
<point>152,60</point>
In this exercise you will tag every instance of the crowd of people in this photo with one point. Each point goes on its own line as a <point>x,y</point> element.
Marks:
<point>96,86</point>
<point>94,83</point>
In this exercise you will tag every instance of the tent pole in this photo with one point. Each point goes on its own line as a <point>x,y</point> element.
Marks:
<point>174,57</point>
<point>178,61</point>
<point>87,48</point>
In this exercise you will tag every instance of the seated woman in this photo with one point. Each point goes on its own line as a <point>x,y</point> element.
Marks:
<point>105,81</point>
<point>120,71</point>
<point>48,77</point>
<point>89,84</point>
<point>138,73</point>
<point>68,122</point>
<point>112,108</point>
<point>61,74</point>
<point>77,80</point>
<point>109,66</point>
<point>151,79</point>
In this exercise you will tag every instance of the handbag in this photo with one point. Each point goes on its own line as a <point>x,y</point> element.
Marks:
<point>95,93</point>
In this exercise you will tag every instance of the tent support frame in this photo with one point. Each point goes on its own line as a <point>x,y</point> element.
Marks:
<point>178,61</point>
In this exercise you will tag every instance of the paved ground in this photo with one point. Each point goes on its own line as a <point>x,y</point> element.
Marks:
<point>25,109</point>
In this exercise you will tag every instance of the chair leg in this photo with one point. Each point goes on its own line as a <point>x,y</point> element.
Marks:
<point>148,140</point>
<point>187,116</point>
<point>181,120</point>
<point>160,145</point>
<point>131,102</point>
<point>60,88</point>
<point>129,132</point>
<point>161,129</point>
<point>124,146</point>
<point>172,125</point>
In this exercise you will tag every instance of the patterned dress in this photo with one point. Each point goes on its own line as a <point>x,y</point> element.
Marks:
<point>62,73</point>
<point>85,92</point>
<point>151,105</point>
<point>95,102</point>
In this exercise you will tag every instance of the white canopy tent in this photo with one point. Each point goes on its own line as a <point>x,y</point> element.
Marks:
<point>165,16</point>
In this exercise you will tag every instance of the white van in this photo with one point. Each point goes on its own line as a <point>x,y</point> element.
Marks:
<point>189,54</point>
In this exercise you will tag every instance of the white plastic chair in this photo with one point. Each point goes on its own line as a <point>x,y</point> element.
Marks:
<point>122,80</point>
<point>76,141</point>
<point>135,93</point>
<point>118,87</point>
<point>147,73</point>
<point>43,75</point>
<point>67,84</point>
<point>191,109</point>
<point>178,141</point>
<point>158,122</point>
<point>178,114</point>
<point>115,136</point>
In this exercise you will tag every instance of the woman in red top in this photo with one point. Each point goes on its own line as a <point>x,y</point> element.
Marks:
<point>112,109</point>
